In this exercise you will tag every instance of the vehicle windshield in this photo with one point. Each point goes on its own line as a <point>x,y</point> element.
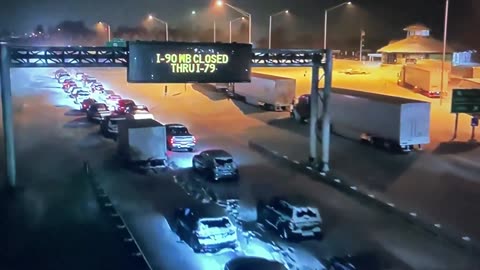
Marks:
<point>223,161</point>
<point>212,223</point>
<point>179,131</point>
<point>306,212</point>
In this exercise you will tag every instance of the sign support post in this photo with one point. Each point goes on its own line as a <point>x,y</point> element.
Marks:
<point>8,133</point>
<point>456,127</point>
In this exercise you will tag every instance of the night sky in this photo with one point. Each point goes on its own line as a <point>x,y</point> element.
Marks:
<point>381,19</point>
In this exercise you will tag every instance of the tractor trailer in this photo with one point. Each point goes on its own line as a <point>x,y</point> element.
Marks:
<point>268,91</point>
<point>427,80</point>
<point>392,122</point>
<point>142,143</point>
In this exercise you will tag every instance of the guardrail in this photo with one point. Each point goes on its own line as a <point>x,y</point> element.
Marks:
<point>413,217</point>
<point>117,219</point>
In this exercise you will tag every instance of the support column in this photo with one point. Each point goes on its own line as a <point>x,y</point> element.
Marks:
<point>327,67</point>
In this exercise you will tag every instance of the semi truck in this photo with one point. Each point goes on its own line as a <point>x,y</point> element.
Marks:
<point>268,91</point>
<point>427,80</point>
<point>392,122</point>
<point>142,144</point>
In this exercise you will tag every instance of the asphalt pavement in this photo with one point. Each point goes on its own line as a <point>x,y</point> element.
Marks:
<point>147,201</point>
<point>222,123</point>
<point>52,220</point>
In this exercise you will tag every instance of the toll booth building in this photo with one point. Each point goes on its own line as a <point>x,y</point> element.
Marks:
<point>416,46</point>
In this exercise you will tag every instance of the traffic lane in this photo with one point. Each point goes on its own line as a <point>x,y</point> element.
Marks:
<point>394,176</point>
<point>199,112</point>
<point>54,206</point>
<point>147,203</point>
<point>372,230</point>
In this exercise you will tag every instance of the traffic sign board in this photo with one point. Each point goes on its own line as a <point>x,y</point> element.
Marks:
<point>466,101</point>
<point>474,122</point>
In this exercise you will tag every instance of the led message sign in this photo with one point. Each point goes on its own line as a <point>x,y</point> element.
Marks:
<point>181,62</point>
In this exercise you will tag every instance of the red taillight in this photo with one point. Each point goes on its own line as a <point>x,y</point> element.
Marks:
<point>172,139</point>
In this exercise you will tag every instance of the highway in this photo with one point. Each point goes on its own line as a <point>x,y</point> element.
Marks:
<point>147,201</point>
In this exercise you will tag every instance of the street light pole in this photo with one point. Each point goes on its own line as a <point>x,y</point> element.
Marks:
<point>230,27</point>
<point>444,51</point>
<point>214,31</point>
<point>270,32</point>
<point>270,26</point>
<point>244,13</point>
<point>325,23</point>
<point>151,17</point>
<point>325,30</point>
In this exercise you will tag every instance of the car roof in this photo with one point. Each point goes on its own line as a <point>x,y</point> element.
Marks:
<point>253,263</point>
<point>98,104</point>
<point>217,153</point>
<point>200,212</point>
<point>126,100</point>
<point>173,125</point>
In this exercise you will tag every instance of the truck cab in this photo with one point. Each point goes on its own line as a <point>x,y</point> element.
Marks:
<point>301,108</point>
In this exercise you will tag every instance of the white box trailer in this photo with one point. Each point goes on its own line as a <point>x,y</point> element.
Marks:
<point>379,119</point>
<point>392,122</point>
<point>142,143</point>
<point>269,91</point>
<point>425,79</point>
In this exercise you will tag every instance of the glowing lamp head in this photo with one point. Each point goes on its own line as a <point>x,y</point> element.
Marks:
<point>243,18</point>
<point>349,3</point>
<point>219,3</point>
<point>194,12</point>
<point>150,17</point>
<point>286,11</point>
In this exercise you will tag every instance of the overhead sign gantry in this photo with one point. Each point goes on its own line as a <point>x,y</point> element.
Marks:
<point>171,62</point>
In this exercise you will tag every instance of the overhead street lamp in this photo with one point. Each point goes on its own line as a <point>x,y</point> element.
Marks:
<point>244,13</point>
<point>325,24</point>
<point>153,18</point>
<point>230,27</point>
<point>108,28</point>
<point>270,26</point>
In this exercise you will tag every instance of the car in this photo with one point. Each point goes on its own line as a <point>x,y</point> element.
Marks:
<point>97,112</point>
<point>178,137</point>
<point>123,104</point>
<point>253,263</point>
<point>79,76</point>
<point>80,95</point>
<point>355,72</point>
<point>59,72</point>
<point>86,103</point>
<point>361,261</point>
<point>103,94</point>
<point>68,83</point>
<point>87,80</point>
<point>291,220</point>
<point>216,163</point>
<point>109,125</point>
<point>138,112</point>
<point>204,233</point>
<point>96,86</point>
<point>62,77</point>
<point>72,89</point>
<point>112,100</point>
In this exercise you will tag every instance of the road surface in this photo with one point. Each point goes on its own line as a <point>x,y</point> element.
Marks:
<point>147,201</point>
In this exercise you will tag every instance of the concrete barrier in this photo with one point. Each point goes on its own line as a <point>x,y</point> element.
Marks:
<point>117,220</point>
<point>413,217</point>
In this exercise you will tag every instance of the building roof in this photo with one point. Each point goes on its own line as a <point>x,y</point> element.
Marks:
<point>415,44</point>
<point>416,27</point>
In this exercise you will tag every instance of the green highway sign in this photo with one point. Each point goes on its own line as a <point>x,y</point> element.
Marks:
<point>116,42</point>
<point>466,101</point>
